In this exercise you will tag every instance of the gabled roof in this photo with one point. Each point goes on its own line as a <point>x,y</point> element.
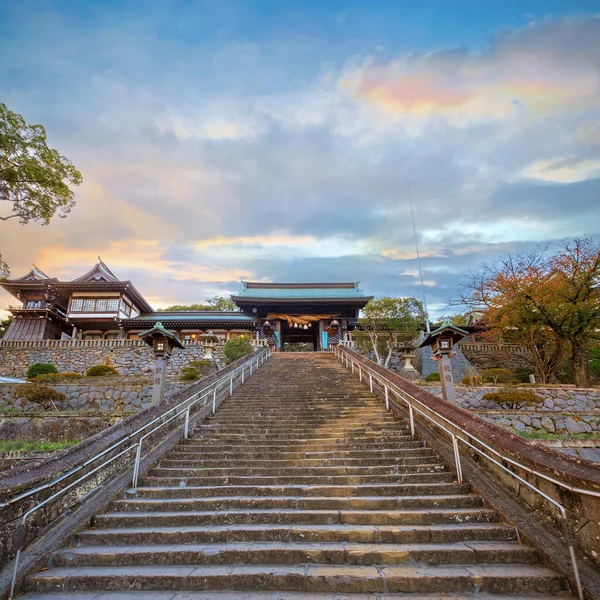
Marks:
<point>455,332</point>
<point>100,272</point>
<point>344,292</point>
<point>34,274</point>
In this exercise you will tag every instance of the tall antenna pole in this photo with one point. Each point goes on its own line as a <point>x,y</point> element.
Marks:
<point>412,214</point>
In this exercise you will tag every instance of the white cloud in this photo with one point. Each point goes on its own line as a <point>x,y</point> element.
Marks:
<point>563,170</point>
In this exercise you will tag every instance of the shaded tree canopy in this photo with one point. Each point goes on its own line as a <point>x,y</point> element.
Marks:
<point>4,270</point>
<point>4,323</point>
<point>550,297</point>
<point>35,180</point>
<point>218,303</point>
<point>386,321</point>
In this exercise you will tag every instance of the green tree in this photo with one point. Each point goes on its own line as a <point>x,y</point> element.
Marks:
<point>34,179</point>
<point>236,348</point>
<point>4,324</point>
<point>4,270</point>
<point>387,321</point>
<point>217,303</point>
<point>555,296</point>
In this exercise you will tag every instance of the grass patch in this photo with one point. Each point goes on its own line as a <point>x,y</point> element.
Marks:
<point>35,445</point>
<point>559,436</point>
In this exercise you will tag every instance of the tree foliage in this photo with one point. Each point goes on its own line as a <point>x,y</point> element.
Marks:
<point>216,303</point>
<point>236,348</point>
<point>34,179</point>
<point>4,270</point>
<point>4,324</point>
<point>549,301</point>
<point>387,321</point>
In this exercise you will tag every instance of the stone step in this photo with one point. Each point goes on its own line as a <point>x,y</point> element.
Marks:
<point>368,534</point>
<point>441,477</point>
<point>298,503</point>
<point>279,553</point>
<point>384,489</point>
<point>299,516</point>
<point>285,422</point>
<point>266,471</point>
<point>262,429</point>
<point>200,460</point>
<point>183,451</point>
<point>315,446</point>
<point>245,595</point>
<point>310,578</point>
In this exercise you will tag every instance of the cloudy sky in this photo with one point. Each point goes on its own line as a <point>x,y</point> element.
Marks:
<point>222,140</point>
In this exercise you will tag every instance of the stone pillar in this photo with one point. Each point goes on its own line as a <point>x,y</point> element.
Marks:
<point>160,371</point>
<point>445,368</point>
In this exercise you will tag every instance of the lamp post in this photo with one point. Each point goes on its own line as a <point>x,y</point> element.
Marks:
<point>163,342</point>
<point>442,341</point>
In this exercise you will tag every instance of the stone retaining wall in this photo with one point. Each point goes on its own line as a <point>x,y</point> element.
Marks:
<point>556,399</point>
<point>56,426</point>
<point>498,360</point>
<point>542,422</point>
<point>115,394</point>
<point>128,360</point>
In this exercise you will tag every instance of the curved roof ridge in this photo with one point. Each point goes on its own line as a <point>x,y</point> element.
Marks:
<point>99,272</point>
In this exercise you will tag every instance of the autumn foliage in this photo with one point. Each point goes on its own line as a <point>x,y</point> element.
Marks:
<point>548,301</point>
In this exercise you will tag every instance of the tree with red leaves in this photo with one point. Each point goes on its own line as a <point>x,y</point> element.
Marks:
<point>546,300</point>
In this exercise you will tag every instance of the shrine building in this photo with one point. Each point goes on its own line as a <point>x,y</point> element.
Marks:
<point>99,306</point>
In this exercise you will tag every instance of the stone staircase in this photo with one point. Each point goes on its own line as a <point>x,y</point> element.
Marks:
<point>300,487</point>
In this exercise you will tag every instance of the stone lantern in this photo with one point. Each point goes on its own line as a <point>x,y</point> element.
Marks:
<point>442,341</point>
<point>407,354</point>
<point>209,341</point>
<point>163,342</point>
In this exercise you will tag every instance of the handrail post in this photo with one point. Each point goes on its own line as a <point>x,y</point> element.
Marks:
<point>387,398</point>
<point>187,423</point>
<point>360,372</point>
<point>568,535</point>
<point>214,406</point>
<point>371,382</point>
<point>250,368</point>
<point>459,474</point>
<point>231,385</point>
<point>243,369</point>
<point>136,468</point>
<point>412,419</point>
<point>352,363</point>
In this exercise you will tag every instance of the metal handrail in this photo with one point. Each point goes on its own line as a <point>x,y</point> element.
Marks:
<point>342,354</point>
<point>252,364</point>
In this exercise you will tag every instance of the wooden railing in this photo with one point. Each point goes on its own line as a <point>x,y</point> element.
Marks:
<point>348,344</point>
<point>256,344</point>
<point>485,347</point>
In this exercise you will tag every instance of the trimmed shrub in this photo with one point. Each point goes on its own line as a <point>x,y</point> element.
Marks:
<point>498,376</point>
<point>40,369</point>
<point>43,396</point>
<point>189,374</point>
<point>59,377</point>
<point>236,348</point>
<point>433,377</point>
<point>200,364</point>
<point>101,371</point>
<point>472,380</point>
<point>514,398</point>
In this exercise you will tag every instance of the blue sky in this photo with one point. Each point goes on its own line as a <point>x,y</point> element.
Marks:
<point>270,140</point>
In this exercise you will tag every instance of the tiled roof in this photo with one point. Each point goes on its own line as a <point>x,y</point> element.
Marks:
<point>193,317</point>
<point>301,291</point>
